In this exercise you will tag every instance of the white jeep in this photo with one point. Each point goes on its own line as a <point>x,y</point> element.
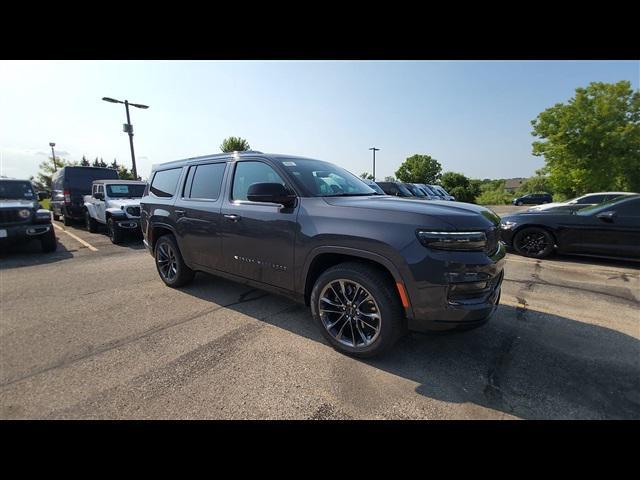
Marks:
<point>116,204</point>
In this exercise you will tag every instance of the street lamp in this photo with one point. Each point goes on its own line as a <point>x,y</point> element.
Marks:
<point>374,161</point>
<point>53,155</point>
<point>128,128</point>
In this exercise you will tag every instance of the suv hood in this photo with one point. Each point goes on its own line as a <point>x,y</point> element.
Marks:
<point>124,202</point>
<point>459,215</point>
<point>17,203</point>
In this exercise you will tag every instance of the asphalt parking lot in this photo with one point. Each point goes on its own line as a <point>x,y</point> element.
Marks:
<point>90,331</point>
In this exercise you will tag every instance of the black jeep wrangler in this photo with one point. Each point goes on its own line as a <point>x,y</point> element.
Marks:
<point>370,266</point>
<point>22,218</point>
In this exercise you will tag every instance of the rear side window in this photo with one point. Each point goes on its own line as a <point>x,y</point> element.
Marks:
<point>206,181</point>
<point>628,209</point>
<point>165,182</point>
<point>592,199</point>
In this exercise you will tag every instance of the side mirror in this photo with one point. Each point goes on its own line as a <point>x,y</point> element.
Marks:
<point>98,196</point>
<point>270,193</point>
<point>42,195</point>
<point>607,216</point>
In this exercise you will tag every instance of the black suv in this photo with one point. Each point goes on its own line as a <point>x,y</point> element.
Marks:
<point>370,266</point>
<point>21,216</point>
<point>69,185</point>
<point>533,199</point>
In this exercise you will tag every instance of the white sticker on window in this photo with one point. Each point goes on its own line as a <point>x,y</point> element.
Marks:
<point>289,164</point>
<point>120,188</point>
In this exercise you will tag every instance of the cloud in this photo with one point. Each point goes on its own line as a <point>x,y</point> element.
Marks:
<point>59,153</point>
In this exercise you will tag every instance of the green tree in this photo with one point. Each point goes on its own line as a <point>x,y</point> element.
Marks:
<point>537,184</point>
<point>389,179</point>
<point>47,170</point>
<point>459,186</point>
<point>123,172</point>
<point>419,169</point>
<point>99,163</point>
<point>234,144</point>
<point>367,176</point>
<point>592,142</point>
<point>84,162</point>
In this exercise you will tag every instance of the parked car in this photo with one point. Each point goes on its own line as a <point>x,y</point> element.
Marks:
<point>609,229</point>
<point>428,191</point>
<point>22,218</point>
<point>396,189</point>
<point>370,266</point>
<point>69,185</point>
<point>443,193</point>
<point>416,191</point>
<point>116,204</point>
<point>375,186</point>
<point>533,199</point>
<point>587,200</point>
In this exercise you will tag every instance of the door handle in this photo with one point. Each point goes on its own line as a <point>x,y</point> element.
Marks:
<point>232,217</point>
<point>179,213</point>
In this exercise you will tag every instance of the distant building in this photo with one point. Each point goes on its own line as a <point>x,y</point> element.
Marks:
<point>512,184</point>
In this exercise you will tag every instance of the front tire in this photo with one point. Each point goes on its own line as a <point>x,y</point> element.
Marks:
<point>357,309</point>
<point>67,220</point>
<point>115,232</point>
<point>48,241</point>
<point>169,263</point>
<point>534,242</point>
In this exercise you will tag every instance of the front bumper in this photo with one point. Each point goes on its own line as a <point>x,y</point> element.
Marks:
<point>128,223</point>
<point>452,290</point>
<point>23,231</point>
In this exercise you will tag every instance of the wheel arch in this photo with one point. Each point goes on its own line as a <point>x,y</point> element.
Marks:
<point>322,258</point>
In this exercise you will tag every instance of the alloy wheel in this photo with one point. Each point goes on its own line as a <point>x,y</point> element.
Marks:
<point>349,313</point>
<point>534,243</point>
<point>167,262</point>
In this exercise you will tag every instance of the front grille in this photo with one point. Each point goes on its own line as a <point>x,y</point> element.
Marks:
<point>133,211</point>
<point>10,215</point>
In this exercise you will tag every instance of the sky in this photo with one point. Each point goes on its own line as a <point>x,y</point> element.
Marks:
<point>472,116</point>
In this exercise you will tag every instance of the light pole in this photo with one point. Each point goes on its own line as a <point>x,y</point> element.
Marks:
<point>374,161</point>
<point>128,128</point>
<point>53,155</point>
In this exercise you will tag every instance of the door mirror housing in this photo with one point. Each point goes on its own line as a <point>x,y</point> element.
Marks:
<point>98,196</point>
<point>607,216</point>
<point>271,193</point>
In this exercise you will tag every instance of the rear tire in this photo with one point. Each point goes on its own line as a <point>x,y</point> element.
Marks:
<point>48,241</point>
<point>56,217</point>
<point>347,319</point>
<point>67,220</point>
<point>115,232</point>
<point>169,263</point>
<point>90,223</point>
<point>534,242</point>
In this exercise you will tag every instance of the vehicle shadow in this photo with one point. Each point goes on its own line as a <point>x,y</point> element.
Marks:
<point>530,365</point>
<point>130,240</point>
<point>30,253</point>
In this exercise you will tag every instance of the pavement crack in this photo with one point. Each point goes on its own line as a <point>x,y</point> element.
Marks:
<point>493,389</point>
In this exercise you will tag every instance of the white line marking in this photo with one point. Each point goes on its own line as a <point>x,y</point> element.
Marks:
<point>86,244</point>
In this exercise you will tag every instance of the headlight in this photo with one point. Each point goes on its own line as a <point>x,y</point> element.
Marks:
<point>507,225</point>
<point>461,241</point>
<point>24,213</point>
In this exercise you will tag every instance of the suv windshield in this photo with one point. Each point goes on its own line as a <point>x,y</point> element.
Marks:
<point>16,191</point>
<point>125,191</point>
<point>415,190</point>
<point>324,179</point>
<point>602,207</point>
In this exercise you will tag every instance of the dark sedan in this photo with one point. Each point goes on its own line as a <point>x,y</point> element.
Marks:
<point>611,229</point>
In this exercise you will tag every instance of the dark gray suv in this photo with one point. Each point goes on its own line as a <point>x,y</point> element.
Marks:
<point>370,266</point>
